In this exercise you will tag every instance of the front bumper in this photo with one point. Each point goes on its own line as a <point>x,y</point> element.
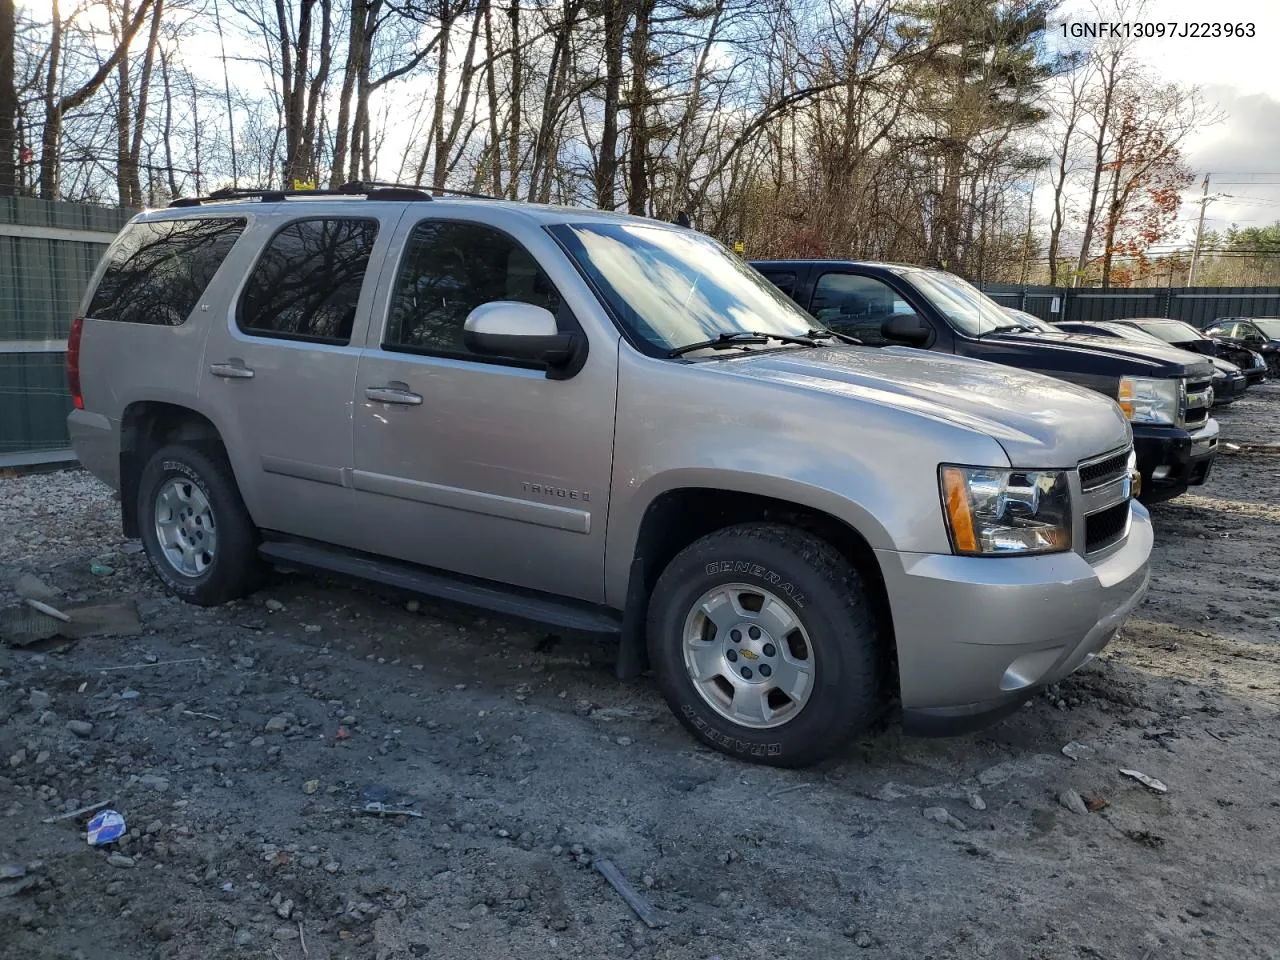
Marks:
<point>977,636</point>
<point>1171,459</point>
<point>1229,389</point>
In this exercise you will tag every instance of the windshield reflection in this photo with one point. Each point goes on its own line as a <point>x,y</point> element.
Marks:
<point>970,310</point>
<point>673,287</point>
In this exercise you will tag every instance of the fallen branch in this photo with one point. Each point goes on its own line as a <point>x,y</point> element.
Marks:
<point>75,813</point>
<point>642,907</point>
<point>158,663</point>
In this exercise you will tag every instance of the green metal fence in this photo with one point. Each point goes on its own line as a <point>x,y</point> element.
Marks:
<point>48,251</point>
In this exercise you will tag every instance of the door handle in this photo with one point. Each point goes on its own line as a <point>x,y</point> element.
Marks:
<point>394,392</point>
<point>233,369</point>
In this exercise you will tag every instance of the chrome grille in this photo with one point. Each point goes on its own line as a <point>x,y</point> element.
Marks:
<point>1199,399</point>
<point>1097,473</point>
<point>1105,492</point>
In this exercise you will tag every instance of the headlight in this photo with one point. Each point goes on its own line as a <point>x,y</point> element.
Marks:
<point>994,511</point>
<point>1259,360</point>
<point>1150,401</point>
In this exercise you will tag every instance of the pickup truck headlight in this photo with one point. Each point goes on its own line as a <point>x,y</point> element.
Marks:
<point>1144,400</point>
<point>993,511</point>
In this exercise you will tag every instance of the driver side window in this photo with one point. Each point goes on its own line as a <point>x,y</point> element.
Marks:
<point>857,305</point>
<point>449,268</point>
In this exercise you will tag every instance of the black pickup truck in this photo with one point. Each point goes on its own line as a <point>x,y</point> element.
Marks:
<point>1165,393</point>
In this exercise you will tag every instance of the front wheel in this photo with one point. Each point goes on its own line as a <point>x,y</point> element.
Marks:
<point>196,531</point>
<point>765,646</point>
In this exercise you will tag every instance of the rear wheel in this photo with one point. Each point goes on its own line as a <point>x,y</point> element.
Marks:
<point>765,645</point>
<point>196,531</point>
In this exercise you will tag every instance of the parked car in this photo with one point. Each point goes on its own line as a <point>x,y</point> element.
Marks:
<point>609,425</point>
<point>1254,333</point>
<point>1165,394</point>
<point>1180,334</point>
<point>1229,381</point>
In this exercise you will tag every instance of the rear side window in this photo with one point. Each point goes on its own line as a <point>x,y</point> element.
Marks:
<point>449,269</point>
<point>160,269</point>
<point>306,284</point>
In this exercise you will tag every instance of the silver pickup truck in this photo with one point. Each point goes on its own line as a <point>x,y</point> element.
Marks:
<point>607,425</point>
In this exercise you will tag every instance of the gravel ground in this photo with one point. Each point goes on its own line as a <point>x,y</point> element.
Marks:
<point>237,772</point>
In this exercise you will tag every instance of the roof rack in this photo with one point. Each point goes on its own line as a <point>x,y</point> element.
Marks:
<point>365,185</point>
<point>371,191</point>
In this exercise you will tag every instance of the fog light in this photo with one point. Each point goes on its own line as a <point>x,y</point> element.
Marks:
<point>1160,473</point>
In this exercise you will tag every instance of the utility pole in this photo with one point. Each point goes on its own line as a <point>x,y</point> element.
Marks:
<point>1195,251</point>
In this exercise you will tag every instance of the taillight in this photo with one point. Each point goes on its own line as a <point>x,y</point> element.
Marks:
<point>73,362</point>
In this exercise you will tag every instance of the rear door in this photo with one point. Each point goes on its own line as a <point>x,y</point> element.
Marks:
<point>279,370</point>
<point>474,464</point>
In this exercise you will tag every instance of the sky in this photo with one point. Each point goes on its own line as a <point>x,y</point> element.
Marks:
<point>1241,154</point>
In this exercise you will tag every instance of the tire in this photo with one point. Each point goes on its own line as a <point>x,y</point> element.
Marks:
<point>738,568</point>
<point>233,568</point>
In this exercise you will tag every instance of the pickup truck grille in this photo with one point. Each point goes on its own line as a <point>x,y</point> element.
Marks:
<point>1199,400</point>
<point>1105,494</point>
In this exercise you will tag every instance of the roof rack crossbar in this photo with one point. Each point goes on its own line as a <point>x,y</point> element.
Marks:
<point>367,185</point>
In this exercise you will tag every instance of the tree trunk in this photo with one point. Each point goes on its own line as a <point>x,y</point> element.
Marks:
<point>51,136</point>
<point>638,195</point>
<point>168,125</point>
<point>9,145</point>
<point>125,170</point>
<point>442,164</point>
<point>615,22</point>
<point>517,105</point>
<point>436,142</point>
<point>491,89</point>
<point>355,54</point>
<point>1110,79</point>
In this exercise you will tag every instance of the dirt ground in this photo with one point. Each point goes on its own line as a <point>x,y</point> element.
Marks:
<point>237,770</point>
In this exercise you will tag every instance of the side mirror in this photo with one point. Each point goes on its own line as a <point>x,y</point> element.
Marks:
<point>521,331</point>
<point>906,328</point>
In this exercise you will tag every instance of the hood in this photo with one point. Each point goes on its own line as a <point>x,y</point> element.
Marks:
<point>1039,421</point>
<point>1152,360</point>
<point>1224,366</point>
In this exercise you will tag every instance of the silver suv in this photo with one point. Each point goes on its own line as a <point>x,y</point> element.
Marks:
<point>609,425</point>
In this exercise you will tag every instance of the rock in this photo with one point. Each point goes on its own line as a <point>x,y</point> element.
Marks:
<point>332,866</point>
<point>310,786</point>
<point>154,782</point>
<point>941,815</point>
<point>129,695</point>
<point>309,863</point>
<point>12,871</point>
<point>275,606</point>
<point>284,934</point>
<point>862,939</point>
<point>18,759</point>
<point>243,937</point>
<point>258,742</point>
<point>977,802</point>
<point>1076,751</point>
<point>81,728</point>
<point>623,741</point>
<point>39,701</point>
<point>154,827</point>
<point>277,724</point>
<point>1073,802</point>
<point>42,757</point>
<point>413,606</point>
<point>33,588</point>
<point>311,628</point>
<point>285,910</point>
<point>120,860</point>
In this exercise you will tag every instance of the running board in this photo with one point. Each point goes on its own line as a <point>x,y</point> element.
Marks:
<point>522,604</point>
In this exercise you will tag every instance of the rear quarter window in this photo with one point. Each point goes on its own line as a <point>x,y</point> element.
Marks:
<point>160,269</point>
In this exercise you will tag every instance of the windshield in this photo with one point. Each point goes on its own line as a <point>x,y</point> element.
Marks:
<point>970,310</point>
<point>1269,326</point>
<point>1139,336</point>
<point>672,288</point>
<point>1171,331</point>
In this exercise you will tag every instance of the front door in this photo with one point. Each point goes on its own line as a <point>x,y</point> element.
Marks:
<point>279,373</point>
<point>473,464</point>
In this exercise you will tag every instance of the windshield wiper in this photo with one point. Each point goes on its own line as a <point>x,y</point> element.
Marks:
<point>736,338</point>
<point>842,337</point>
<point>1008,328</point>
